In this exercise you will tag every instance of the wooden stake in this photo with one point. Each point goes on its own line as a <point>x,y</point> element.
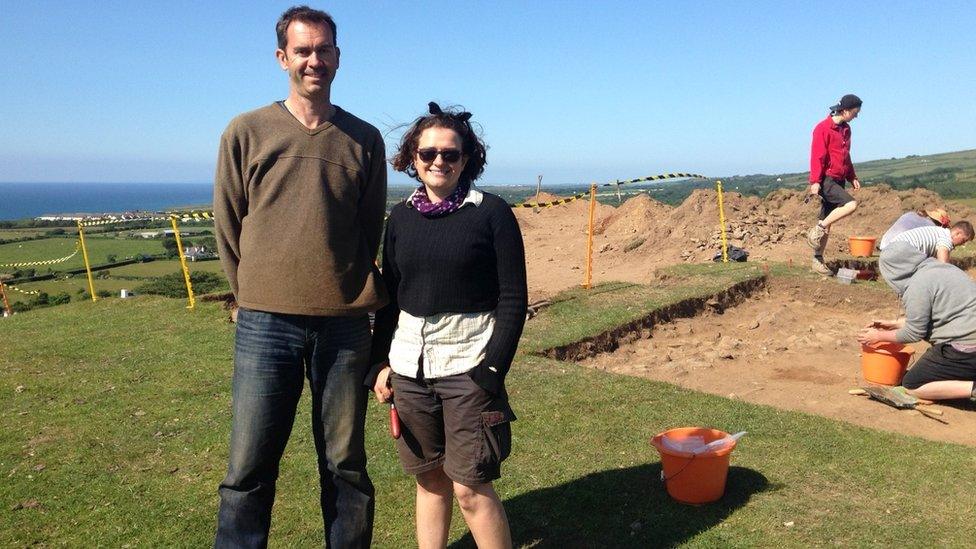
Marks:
<point>6,304</point>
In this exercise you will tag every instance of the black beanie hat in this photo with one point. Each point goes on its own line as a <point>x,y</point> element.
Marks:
<point>849,101</point>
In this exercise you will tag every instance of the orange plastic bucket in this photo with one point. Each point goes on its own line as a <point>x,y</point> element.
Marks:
<point>862,246</point>
<point>694,478</point>
<point>885,363</point>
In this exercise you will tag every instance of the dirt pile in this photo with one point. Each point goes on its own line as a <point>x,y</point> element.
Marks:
<point>642,234</point>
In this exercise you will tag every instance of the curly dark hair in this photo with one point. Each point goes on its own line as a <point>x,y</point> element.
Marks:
<point>306,15</point>
<point>453,119</point>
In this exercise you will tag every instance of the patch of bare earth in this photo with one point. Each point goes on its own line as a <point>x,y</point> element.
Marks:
<point>641,234</point>
<point>792,347</point>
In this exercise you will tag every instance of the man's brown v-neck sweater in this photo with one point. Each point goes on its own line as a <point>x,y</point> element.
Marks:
<point>299,213</point>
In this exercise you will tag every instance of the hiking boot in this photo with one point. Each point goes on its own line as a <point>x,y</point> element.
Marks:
<point>819,267</point>
<point>814,235</point>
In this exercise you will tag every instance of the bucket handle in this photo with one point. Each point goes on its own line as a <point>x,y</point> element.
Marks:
<point>665,479</point>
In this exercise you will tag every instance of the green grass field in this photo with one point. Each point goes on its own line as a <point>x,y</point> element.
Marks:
<point>128,277</point>
<point>7,234</point>
<point>71,286</point>
<point>164,267</point>
<point>116,415</point>
<point>971,202</point>
<point>99,249</point>
<point>962,162</point>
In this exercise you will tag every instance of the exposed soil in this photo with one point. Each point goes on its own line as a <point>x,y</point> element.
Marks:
<point>790,346</point>
<point>642,234</point>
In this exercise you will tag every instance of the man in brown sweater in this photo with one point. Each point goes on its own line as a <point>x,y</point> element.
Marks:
<point>299,199</point>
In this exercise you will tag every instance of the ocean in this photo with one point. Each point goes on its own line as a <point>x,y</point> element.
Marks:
<point>26,200</point>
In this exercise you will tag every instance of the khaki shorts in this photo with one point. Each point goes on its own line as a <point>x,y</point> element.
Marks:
<point>454,423</point>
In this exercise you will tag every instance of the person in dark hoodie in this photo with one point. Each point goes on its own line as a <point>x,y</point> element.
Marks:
<point>940,307</point>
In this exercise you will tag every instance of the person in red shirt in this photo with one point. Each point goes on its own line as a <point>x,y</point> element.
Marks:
<point>830,170</point>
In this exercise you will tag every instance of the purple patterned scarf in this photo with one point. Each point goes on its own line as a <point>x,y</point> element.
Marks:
<point>422,203</point>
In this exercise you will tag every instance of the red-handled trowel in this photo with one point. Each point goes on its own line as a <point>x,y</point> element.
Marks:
<point>394,421</point>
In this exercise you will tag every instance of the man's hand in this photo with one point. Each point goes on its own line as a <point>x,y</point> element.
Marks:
<point>382,388</point>
<point>856,183</point>
<point>815,189</point>
<point>869,336</point>
<point>887,324</point>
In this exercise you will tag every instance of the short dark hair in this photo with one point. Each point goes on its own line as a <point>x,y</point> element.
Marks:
<point>451,118</point>
<point>304,14</point>
<point>965,227</point>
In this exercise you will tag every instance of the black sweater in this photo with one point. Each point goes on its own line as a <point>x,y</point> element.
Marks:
<point>471,260</point>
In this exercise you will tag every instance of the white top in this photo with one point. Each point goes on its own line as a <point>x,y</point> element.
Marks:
<point>926,239</point>
<point>450,343</point>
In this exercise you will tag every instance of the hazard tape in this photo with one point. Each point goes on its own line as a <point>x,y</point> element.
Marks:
<point>45,262</point>
<point>95,221</point>
<point>549,204</point>
<point>16,289</point>
<point>191,216</point>
<point>577,196</point>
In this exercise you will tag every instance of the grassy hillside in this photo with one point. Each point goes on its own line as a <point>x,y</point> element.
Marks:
<point>952,175</point>
<point>99,248</point>
<point>116,415</point>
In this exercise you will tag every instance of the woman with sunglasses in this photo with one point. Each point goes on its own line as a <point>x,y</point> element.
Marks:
<point>454,264</point>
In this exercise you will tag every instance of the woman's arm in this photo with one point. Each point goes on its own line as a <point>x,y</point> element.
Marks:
<point>512,301</point>
<point>385,323</point>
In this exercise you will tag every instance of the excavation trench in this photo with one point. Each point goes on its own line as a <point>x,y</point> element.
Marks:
<point>783,342</point>
<point>611,340</point>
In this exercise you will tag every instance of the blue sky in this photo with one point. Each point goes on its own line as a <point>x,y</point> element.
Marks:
<point>578,91</point>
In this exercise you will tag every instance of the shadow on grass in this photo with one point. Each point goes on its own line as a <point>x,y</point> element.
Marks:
<point>619,508</point>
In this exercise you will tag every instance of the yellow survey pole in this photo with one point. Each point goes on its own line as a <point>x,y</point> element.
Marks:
<point>588,276</point>
<point>84,253</point>
<point>186,270</point>
<point>721,219</point>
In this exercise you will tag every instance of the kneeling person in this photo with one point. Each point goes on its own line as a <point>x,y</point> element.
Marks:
<point>937,242</point>
<point>940,306</point>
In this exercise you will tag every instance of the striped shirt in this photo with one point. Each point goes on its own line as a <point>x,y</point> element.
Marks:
<point>926,239</point>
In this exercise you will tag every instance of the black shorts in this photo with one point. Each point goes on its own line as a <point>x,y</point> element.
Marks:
<point>833,195</point>
<point>454,423</point>
<point>942,362</point>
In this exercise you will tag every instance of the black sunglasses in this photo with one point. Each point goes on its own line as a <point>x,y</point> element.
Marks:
<point>449,155</point>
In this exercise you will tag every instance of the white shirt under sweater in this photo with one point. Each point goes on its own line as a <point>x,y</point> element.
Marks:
<point>926,239</point>
<point>450,343</point>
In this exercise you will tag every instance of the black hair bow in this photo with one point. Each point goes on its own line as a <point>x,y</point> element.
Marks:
<point>435,110</point>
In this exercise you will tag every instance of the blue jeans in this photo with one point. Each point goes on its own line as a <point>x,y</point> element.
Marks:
<point>272,356</point>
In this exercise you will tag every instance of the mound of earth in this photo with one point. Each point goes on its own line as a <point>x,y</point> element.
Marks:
<point>640,235</point>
